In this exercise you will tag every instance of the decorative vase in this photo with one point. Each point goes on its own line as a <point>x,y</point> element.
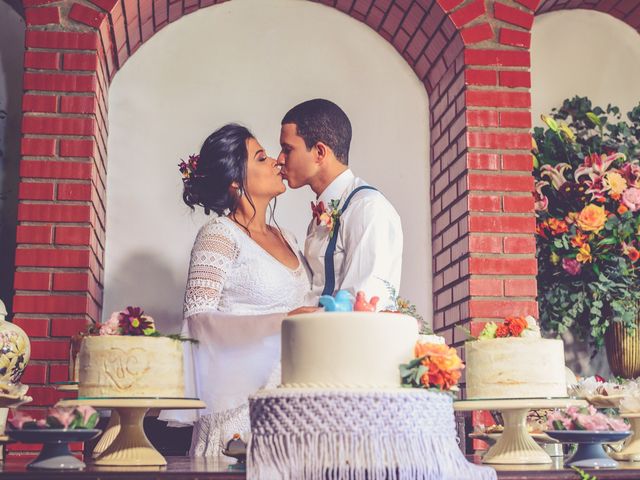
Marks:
<point>623,349</point>
<point>15,350</point>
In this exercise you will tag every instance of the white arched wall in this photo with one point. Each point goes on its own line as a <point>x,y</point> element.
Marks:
<point>586,53</point>
<point>249,61</point>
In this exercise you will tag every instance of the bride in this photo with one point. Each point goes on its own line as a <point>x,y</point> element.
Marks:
<point>245,275</point>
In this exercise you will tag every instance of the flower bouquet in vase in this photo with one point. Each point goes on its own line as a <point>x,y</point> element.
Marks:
<point>587,204</point>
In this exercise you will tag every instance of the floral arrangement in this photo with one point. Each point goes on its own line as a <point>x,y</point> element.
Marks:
<point>326,216</point>
<point>188,168</point>
<point>84,417</point>
<point>585,418</point>
<point>511,327</point>
<point>131,321</point>
<point>435,366</point>
<point>587,202</point>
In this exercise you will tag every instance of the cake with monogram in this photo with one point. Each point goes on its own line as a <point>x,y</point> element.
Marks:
<point>128,359</point>
<point>342,411</point>
<point>512,360</point>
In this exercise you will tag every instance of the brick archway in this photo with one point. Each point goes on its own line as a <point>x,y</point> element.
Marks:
<point>626,10</point>
<point>473,58</point>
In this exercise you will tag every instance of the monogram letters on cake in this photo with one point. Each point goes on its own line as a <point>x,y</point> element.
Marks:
<point>131,366</point>
<point>123,368</point>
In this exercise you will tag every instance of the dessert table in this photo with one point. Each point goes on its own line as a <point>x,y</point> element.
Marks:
<point>186,468</point>
<point>516,446</point>
<point>127,444</point>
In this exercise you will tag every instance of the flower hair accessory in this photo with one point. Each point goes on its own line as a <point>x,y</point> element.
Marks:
<point>188,168</point>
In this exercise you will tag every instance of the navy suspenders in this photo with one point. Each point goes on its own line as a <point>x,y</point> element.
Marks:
<point>329,268</point>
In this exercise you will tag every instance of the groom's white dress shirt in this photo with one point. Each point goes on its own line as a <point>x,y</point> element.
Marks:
<point>369,245</point>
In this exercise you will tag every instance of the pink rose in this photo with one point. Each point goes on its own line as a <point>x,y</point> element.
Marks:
<point>18,419</point>
<point>42,423</point>
<point>571,266</point>
<point>631,198</point>
<point>111,326</point>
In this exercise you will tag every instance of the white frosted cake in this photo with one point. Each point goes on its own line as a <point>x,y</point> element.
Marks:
<point>515,367</point>
<point>340,412</point>
<point>346,350</point>
<point>130,366</point>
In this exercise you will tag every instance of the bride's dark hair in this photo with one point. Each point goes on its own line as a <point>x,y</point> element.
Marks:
<point>222,160</point>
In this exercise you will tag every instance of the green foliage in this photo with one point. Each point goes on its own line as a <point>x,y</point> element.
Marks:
<point>584,475</point>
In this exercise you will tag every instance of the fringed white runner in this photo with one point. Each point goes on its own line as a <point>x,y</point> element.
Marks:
<point>356,435</point>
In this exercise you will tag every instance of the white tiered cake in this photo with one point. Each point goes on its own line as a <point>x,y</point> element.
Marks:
<point>131,366</point>
<point>341,412</point>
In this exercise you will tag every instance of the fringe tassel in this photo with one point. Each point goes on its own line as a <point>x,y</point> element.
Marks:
<point>360,456</point>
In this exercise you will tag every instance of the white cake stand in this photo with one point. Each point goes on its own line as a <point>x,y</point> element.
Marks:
<point>130,446</point>
<point>516,446</point>
<point>631,450</point>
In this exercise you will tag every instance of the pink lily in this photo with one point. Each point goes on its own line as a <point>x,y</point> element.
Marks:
<point>555,174</point>
<point>64,416</point>
<point>18,419</point>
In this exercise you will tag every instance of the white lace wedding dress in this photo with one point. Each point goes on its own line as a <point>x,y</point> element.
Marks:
<point>234,288</point>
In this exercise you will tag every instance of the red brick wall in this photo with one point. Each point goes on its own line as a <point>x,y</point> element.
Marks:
<point>473,57</point>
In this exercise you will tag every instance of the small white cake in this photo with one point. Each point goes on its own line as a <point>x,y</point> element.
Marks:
<point>515,367</point>
<point>346,350</point>
<point>130,366</point>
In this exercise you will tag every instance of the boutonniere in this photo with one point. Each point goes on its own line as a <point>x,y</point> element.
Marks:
<point>330,216</point>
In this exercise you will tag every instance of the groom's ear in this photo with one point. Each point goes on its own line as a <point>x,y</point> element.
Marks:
<point>322,152</point>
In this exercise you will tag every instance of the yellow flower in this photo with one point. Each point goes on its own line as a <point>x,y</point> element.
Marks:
<point>615,183</point>
<point>554,258</point>
<point>551,123</point>
<point>567,132</point>
<point>592,218</point>
<point>584,254</point>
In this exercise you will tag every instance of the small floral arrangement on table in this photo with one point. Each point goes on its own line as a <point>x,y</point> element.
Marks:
<point>584,418</point>
<point>326,216</point>
<point>68,418</point>
<point>435,366</point>
<point>511,327</point>
<point>131,321</point>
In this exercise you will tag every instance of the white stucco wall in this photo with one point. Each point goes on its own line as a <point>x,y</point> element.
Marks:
<point>249,61</point>
<point>586,53</point>
<point>12,29</point>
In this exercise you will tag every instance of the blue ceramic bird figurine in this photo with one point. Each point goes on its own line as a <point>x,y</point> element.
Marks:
<point>343,302</point>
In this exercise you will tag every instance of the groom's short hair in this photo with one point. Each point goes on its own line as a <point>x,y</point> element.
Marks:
<point>320,120</point>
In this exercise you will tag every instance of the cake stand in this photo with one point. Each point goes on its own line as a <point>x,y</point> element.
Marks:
<point>631,450</point>
<point>516,446</point>
<point>131,447</point>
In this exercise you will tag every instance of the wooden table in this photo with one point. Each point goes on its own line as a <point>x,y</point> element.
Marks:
<point>185,468</point>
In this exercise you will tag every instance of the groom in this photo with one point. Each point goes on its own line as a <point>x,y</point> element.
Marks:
<point>354,239</point>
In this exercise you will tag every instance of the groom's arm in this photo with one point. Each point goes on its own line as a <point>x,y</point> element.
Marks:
<point>372,241</point>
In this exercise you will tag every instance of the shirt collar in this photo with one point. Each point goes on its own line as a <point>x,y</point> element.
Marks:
<point>335,190</point>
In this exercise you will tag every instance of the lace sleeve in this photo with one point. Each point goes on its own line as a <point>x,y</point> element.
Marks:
<point>213,254</point>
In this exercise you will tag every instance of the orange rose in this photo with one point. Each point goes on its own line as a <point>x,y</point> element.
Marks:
<point>622,209</point>
<point>443,364</point>
<point>592,218</point>
<point>502,330</point>
<point>516,325</point>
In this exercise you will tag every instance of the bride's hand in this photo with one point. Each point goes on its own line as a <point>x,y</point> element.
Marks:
<point>303,310</point>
